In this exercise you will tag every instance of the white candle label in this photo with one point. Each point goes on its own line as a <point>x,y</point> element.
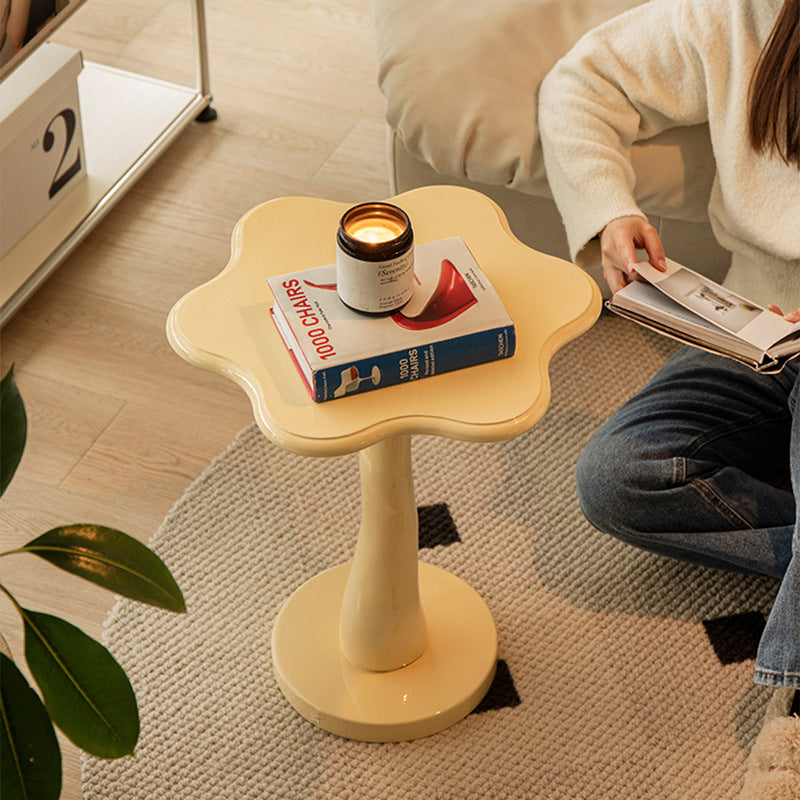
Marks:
<point>375,286</point>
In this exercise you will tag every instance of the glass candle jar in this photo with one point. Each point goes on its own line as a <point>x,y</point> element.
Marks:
<point>375,258</point>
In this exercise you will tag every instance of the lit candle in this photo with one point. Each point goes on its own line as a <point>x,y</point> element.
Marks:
<point>375,258</point>
<point>375,230</point>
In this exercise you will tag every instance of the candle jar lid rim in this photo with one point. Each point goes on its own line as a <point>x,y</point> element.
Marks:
<point>375,251</point>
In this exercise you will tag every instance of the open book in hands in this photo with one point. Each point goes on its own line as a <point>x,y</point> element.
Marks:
<point>689,307</point>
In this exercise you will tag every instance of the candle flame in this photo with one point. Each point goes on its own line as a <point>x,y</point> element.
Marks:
<point>375,230</point>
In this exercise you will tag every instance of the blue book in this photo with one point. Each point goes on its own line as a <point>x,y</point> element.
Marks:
<point>454,319</point>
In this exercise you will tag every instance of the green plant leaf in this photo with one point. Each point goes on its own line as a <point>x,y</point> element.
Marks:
<point>13,428</point>
<point>111,559</point>
<point>30,759</point>
<point>85,691</point>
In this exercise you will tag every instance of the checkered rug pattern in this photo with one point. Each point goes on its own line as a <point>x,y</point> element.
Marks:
<point>623,675</point>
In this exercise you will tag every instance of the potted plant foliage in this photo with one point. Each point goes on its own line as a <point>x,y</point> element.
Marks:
<point>84,691</point>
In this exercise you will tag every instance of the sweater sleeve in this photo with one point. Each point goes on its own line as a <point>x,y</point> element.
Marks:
<point>628,79</point>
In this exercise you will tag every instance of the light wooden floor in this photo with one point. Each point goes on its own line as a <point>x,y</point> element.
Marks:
<point>118,424</point>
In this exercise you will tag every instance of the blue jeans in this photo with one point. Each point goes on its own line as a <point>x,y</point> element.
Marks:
<point>696,466</point>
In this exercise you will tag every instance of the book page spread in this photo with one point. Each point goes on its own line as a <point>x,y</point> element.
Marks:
<point>726,310</point>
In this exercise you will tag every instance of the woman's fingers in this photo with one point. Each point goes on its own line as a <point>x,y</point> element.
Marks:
<point>618,242</point>
<point>654,248</point>
<point>791,316</point>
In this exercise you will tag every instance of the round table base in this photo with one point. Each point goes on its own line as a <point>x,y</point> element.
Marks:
<point>438,689</point>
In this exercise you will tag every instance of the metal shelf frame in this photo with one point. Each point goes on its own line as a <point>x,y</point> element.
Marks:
<point>37,255</point>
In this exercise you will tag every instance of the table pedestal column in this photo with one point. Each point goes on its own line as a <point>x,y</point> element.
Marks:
<point>382,626</point>
<point>385,648</point>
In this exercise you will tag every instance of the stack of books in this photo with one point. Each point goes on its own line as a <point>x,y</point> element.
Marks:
<point>455,319</point>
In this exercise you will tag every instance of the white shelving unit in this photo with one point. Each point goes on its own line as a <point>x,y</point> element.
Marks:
<point>128,121</point>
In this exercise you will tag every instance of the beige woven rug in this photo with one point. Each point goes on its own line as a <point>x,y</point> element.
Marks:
<point>624,674</point>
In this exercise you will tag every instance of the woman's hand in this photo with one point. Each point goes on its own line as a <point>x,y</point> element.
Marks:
<point>618,242</point>
<point>792,316</point>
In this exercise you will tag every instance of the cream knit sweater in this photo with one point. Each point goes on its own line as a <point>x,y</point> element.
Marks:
<point>667,63</point>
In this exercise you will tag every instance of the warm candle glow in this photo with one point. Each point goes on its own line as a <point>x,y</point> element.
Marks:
<point>374,233</point>
<point>374,229</point>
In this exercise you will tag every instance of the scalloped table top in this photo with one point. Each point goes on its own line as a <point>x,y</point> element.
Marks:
<point>224,326</point>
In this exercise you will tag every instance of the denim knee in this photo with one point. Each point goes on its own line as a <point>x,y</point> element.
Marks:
<point>608,478</point>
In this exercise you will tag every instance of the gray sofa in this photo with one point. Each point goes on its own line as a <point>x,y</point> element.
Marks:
<point>461,80</point>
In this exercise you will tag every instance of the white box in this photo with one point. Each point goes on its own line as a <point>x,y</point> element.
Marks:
<point>42,155</point>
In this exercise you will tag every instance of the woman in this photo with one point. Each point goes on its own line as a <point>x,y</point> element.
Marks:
<point>696,465</point>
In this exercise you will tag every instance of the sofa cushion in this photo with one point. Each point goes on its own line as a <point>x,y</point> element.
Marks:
<point>461,80</point>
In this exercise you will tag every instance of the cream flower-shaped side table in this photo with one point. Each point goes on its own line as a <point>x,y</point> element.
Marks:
<point>384,648</point>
